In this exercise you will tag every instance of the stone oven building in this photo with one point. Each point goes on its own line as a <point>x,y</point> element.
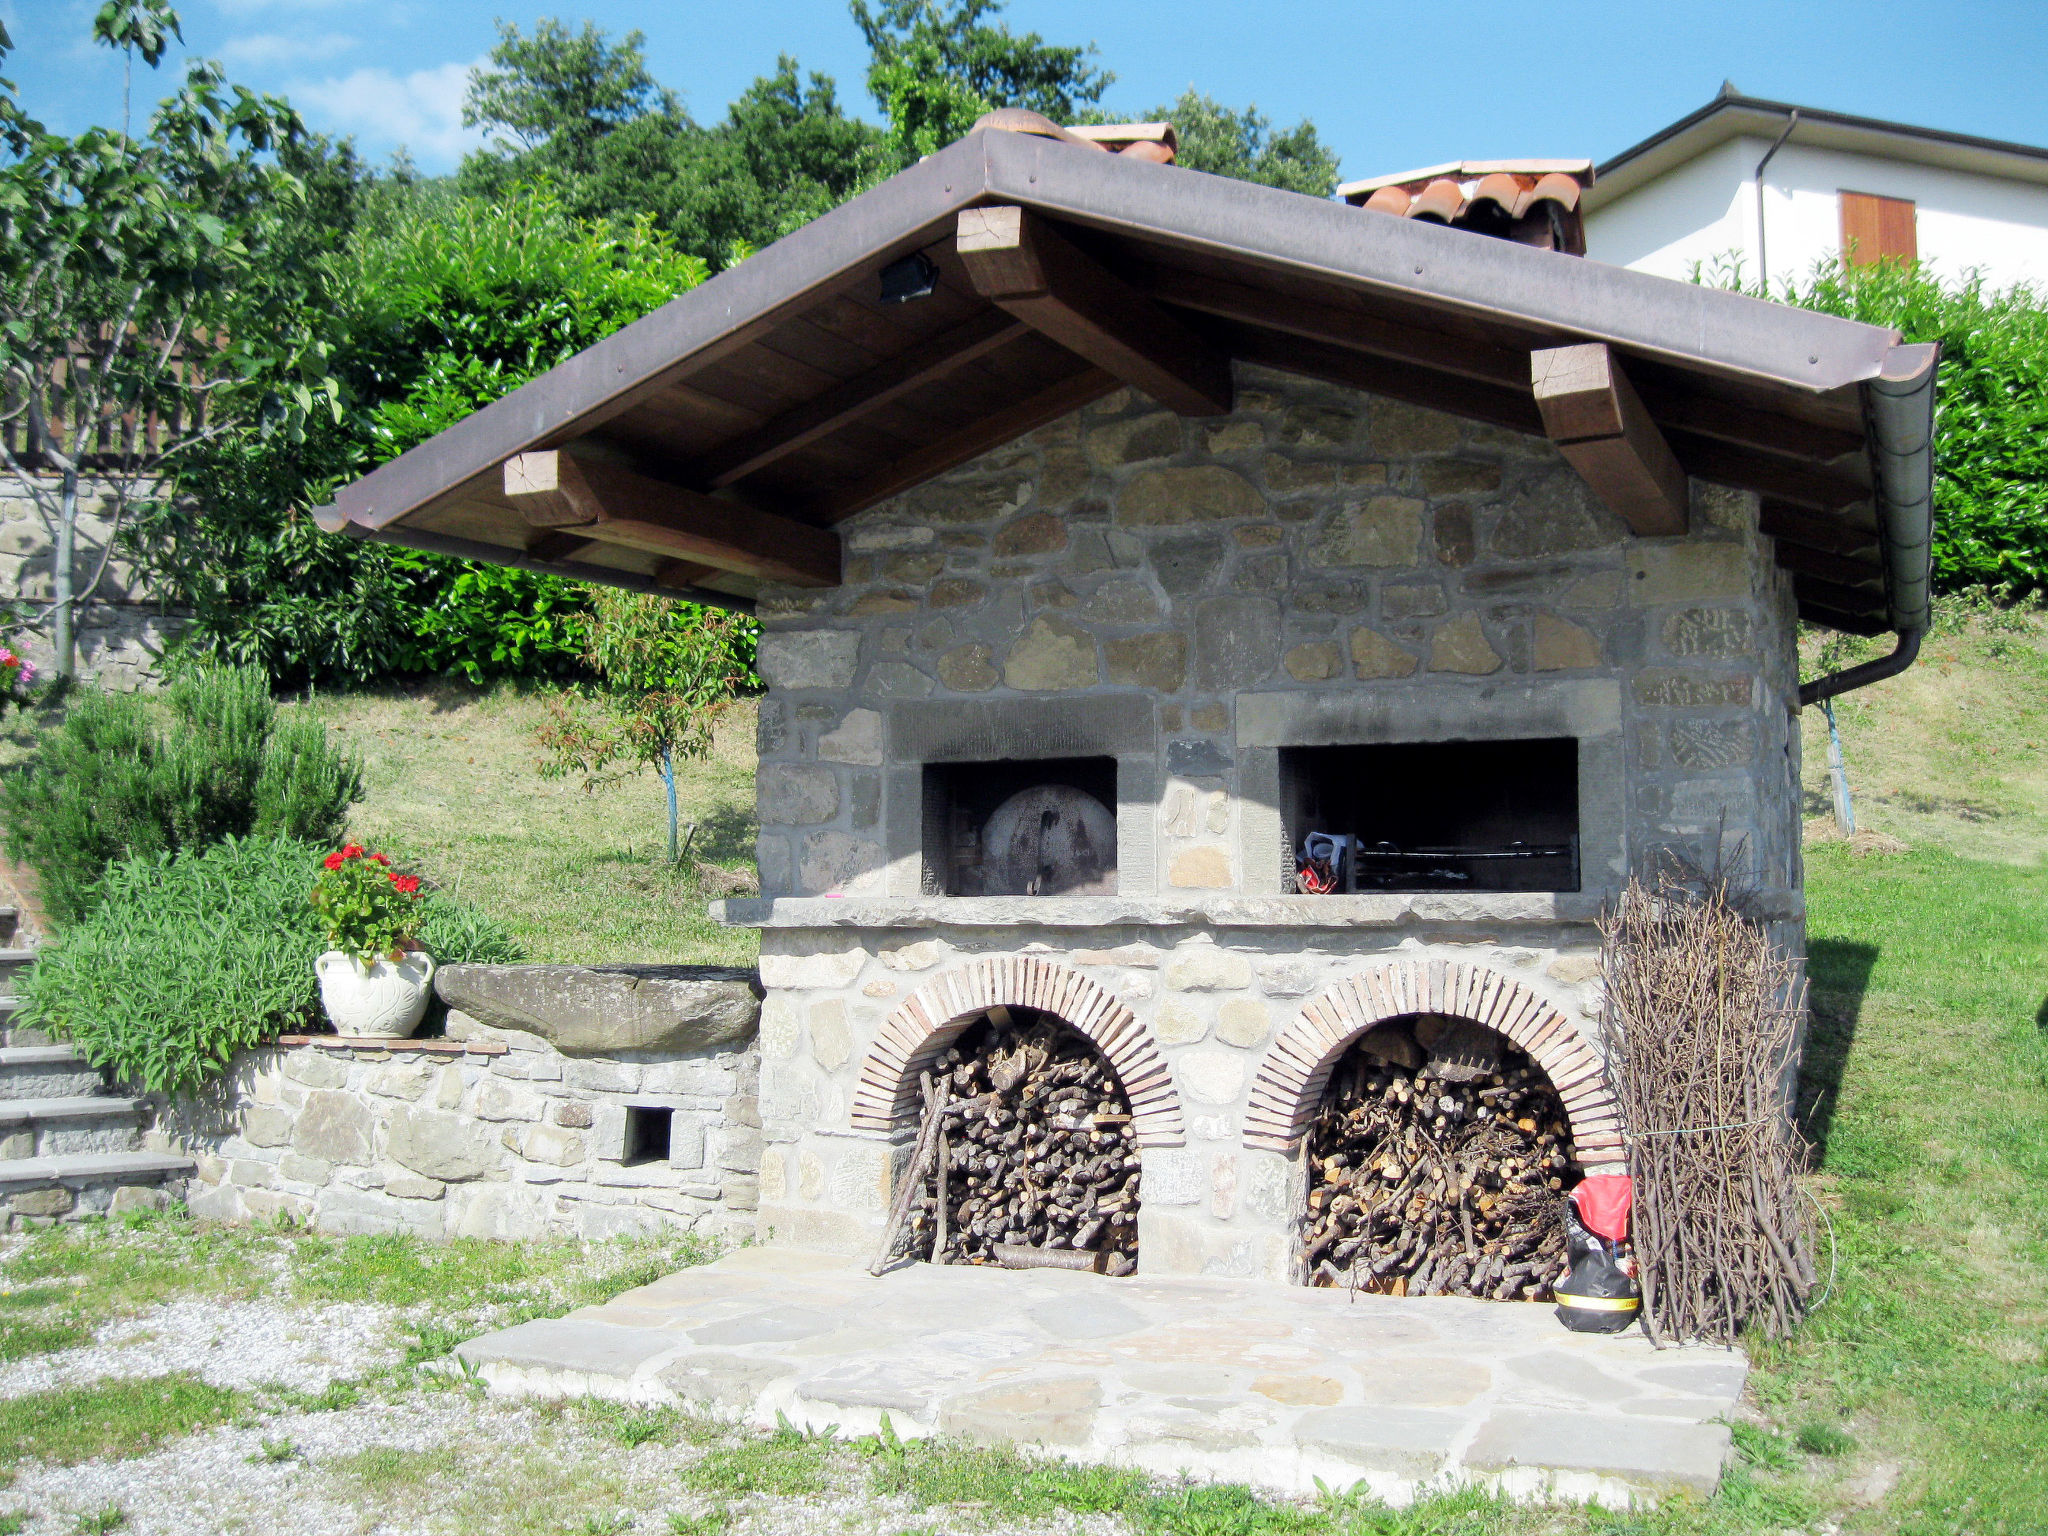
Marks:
<point>1113,528</point>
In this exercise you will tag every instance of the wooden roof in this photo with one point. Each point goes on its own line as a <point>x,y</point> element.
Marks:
<point>715,443</point>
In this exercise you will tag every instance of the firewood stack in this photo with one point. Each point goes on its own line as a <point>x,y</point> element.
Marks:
<point>1039,1150</point>
<point>1437,1167</point>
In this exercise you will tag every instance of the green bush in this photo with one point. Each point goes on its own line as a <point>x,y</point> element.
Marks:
<point>191,956</point>
<point>108,783</point>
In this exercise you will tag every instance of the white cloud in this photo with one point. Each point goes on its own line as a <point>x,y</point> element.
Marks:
<point>421,110</point>
<point>256,49</point>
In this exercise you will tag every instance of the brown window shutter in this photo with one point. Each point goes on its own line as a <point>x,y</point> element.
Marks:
<point>1878,229</point>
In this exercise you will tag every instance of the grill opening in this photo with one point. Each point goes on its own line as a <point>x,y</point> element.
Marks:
<point>1040,828</point>
<point>647,1133</point>
<point>1432,816</point>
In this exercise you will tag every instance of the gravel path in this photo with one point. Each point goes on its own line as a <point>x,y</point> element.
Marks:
<point>240,1344</point>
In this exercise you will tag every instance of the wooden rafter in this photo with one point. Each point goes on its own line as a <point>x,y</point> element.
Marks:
<point>607,502</point>
<point>1022,264</point>
<point>1599,423</point>
<point>845,403</point>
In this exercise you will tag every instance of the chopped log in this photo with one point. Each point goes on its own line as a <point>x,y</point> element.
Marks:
<point>1017,1256</point>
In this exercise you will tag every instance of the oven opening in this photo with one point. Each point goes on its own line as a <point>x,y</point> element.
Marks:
<point>1432,816</point>
<point>1040,828</point>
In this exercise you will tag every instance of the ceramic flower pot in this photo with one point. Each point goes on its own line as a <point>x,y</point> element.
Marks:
<point>387,999</point>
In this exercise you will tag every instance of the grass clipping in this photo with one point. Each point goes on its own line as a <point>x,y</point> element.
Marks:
<point>1701,1017</point>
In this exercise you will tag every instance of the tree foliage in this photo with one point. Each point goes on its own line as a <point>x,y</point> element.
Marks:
<point>1991,443</point>
<point>1245,146</point>
<point>664,671</point>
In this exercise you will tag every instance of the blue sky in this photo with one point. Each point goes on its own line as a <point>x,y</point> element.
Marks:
<point>1391,86</point>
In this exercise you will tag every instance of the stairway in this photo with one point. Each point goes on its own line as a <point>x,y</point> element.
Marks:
<point>68,1146</point>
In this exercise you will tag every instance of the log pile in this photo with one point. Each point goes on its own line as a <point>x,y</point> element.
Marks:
<point>1438,1164</point>
<point>1036,1151</point>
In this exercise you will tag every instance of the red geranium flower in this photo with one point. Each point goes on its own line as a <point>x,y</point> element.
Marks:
<point>380,859</point>
<point>332,861</point>
<point>352,850</point>
<point>408,884</point>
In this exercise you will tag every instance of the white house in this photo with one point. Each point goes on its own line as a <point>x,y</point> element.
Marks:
<point>1781,187</point>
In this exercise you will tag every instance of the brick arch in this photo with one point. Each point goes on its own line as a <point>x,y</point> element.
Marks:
<point>1296,1069</point>
<point>937,1012</point>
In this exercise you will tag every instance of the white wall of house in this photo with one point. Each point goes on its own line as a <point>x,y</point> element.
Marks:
<point>1705,209</point>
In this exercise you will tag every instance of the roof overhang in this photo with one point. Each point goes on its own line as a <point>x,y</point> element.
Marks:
<point>1730,116</point>
<point>723,435</point>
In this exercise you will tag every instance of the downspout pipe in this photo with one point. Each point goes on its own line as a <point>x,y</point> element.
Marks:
<point>1898,411</point>
<point>1763,263</point>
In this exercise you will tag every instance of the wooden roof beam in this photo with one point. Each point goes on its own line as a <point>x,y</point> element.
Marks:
<point>1593,414</point>
<point>610,503</point>
<point>801,425</point>
<point>1022,264</point>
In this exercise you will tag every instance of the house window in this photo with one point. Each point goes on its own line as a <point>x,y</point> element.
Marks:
<point>1878,229</point>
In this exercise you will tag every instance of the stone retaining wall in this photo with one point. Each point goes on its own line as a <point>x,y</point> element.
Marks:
<point>124,630</point>
<point>525,1143</point>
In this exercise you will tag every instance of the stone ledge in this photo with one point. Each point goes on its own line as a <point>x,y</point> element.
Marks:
<point>1535,909</point>
<point>436,1047</point>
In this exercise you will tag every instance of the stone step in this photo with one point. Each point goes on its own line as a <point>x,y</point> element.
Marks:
<point>61,1127</point>
<point>46,1072</point>
<point>14,961</point>
<point>45,1189</point>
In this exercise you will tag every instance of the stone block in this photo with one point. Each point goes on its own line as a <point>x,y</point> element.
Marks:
<point>1553,514</point>
<point>1177,1023</point>
<point>1187,564</point>
<point>1712,743</point>
<point>597,1010</point>
<point>337,1127</point>
<point>1453,534</point>
<point>352,1211</point>
<point>1668,688</point>
<point>1242,1022</point>
<point>1211,1076</point>
<point>1164,498</point>
<point>1562,646</point>
<point>1035,533</point>
<point>554,1145</point>
<point>1315,662</point>
<point>602,1076</point>
<point>831,1040</point>
<point>497,1099</point>
<point>955,592</point>
<point>440,1145</point>
<point>1381,531</point>
<point>1413,1444</point>
<point>1459,477</point>
<point>797,794</point>
<point>304,1170</point>
<point>1412,601</point>
<point>1053,654</point>
<point>1204,868</point>
<point>1157,436</point>
<point>1121,602</point>
<point>1237,641</point>
<point>1715,632</point>
<point>1038,1411</point>
<point>1400,429</point>
<point>1156,662</point>
<point>503,1212</point>
<point>1686,571</point>
<point>54,1201</point>
<point>400,1185</point>
<point>837,863</point>
<point>316,1068</point>
<point>1206,968</point>
<point>857,740</point>
<point>1655,1456</point>
<point>969,668</point>
<point>263,1126</point>
<point>137,1197</point>
<point>1461,646</point>
<point>1373,655</point>
<point>815,658</point>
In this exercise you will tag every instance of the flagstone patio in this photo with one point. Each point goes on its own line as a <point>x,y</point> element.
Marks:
<point>1223,1379</point>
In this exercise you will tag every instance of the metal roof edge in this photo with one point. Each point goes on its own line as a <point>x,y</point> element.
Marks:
<point>593,382</point>
<point>1684,322</point>
<point>1618,164</point>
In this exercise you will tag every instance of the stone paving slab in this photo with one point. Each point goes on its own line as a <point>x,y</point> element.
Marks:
<point>1227,1379</point>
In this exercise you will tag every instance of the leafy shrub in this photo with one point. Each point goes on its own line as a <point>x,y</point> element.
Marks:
<point>109,784</point>
<point>193,955</point>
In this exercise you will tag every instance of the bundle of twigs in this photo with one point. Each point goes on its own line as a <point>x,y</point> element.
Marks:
<point>1425,1180</point>
<point>1702,1013</point>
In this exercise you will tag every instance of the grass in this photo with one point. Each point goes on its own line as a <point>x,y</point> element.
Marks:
<point>455,789</point>
<point>109,1419</point>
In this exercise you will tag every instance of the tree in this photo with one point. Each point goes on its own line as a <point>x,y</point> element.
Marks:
<point>141,298</point>
<point>665,670</point>
<point>937,66</point>
<point>1243,145</point>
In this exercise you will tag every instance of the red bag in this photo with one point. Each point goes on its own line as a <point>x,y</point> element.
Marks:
<point>1602,1201</point>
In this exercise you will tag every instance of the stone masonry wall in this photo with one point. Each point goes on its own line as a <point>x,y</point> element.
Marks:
<point>1318,549</point>
<point>524,1144</point>
<point>1191,598</point>
<point>124,630</point>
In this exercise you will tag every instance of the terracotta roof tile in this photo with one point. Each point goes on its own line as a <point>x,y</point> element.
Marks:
<point>1533,202</point>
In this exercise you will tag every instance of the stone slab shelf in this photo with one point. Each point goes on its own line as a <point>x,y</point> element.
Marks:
<point>1543,909</point>
<point>433,1047</point>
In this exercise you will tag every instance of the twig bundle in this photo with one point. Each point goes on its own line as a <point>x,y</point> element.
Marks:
<point>1701,1015</point>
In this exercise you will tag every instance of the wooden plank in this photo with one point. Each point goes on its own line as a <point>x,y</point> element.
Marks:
<point>553,488</point>
<point>1023,264</point>
<point>1836,535</point>
<point>1599,423</point>
<point>1513,409</point>
<point>1840,570</point>
<point>1833,489</point>
<point>825,413</point>
<point>1344,327</point>
<point>1049,404</point>
<point>1878,229</point>
<point>554,544</point>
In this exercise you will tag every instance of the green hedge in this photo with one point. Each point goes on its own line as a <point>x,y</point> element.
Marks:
<point>189,957</point>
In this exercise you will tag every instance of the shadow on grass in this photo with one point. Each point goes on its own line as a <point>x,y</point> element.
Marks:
<point>725,835</point>
<point>1838,974</point>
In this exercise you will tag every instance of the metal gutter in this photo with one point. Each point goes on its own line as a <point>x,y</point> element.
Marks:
<point>1898,408</point>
